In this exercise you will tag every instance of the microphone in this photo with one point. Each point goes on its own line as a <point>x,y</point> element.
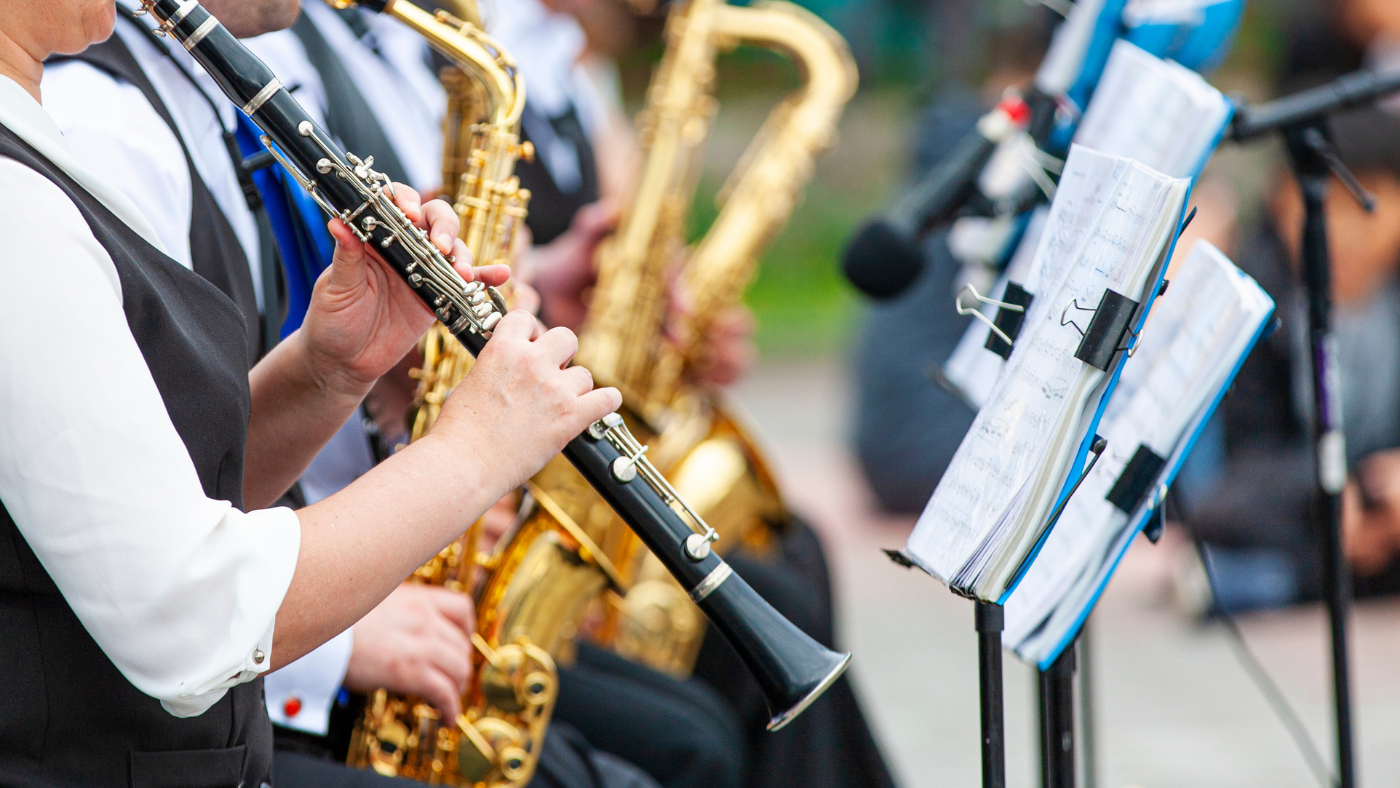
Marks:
<point>883,258</point>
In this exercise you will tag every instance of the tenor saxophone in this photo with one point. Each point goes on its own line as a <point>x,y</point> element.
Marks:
<point>698,440</point>
<point>531,588</point>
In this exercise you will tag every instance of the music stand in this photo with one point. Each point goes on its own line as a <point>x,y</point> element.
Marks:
<point>1303,121</point>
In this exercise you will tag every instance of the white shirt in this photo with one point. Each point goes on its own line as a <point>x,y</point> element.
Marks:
<point>180,591</point>
<point>401,88</point>
<point>546,45</point>
<point>115,132</point>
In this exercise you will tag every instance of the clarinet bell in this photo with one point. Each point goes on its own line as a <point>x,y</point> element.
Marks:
<point>791,668</point>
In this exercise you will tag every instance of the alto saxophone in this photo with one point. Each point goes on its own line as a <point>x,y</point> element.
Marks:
<point>527,589</point>
<point>697,440</point>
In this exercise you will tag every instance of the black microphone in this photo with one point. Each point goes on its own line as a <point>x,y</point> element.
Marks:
<point>884,258</point>
<point>1342,93</point>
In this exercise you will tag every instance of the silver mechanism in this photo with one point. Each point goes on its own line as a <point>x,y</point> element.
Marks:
<point>632,463</point>
<point>474,313</point>
<point>164,28</point>
<point>430,269</point>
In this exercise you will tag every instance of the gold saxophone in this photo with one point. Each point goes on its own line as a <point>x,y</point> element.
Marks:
<point>530,590</point>
<point>697,441</point>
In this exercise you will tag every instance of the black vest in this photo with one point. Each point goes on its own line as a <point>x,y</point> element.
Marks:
<point>67,715</point>
<point>215,250</point>
<point>551,208</point>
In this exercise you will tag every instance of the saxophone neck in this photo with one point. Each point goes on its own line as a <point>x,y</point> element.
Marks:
<point>625,321</point>
<point>461,40</point>
<point>760,194</point>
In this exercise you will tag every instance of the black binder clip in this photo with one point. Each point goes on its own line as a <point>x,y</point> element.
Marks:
<point>1106,328</point>
<point>1009,319</point>
<point>899,557</point>
<point>1011,313</point>
<point>1135,484</point>
<point>1156,524</point>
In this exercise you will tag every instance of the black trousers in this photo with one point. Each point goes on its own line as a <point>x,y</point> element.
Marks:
<point>681,732</point>
<point>711,730</point>
<point>568,761</point>
<point>829,745</point>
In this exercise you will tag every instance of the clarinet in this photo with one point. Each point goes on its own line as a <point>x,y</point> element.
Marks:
<point>791,668</point>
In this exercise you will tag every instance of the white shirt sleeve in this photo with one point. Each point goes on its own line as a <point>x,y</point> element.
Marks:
<point>179,591</point>
<point>114,131</point>
<point>283,53</point>
<point>300,695</point>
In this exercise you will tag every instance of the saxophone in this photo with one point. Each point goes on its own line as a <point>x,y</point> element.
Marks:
<point>697,440</point>
<point>527,589</point>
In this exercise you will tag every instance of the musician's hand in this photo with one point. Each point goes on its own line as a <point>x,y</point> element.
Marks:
<point>521,403</point>
<point>562,270</point>
<point>726,351</point>
<point>1371,513</point>
<point>363,317</point>
<point>417,642</point>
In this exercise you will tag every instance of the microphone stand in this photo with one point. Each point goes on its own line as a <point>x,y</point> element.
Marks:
<point>1303,121</point>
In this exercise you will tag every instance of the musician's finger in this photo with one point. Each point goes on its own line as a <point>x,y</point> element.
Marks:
<point>409,202</point>
<point>442,224</point>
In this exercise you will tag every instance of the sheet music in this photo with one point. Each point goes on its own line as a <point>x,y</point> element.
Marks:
<point>1148,109</point>
<point>1152,110</point>
<point>1190,345</point>
<point>1104,230</point>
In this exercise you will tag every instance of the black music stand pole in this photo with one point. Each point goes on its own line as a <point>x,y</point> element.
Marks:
<point>1309,150</point>
<point>989,625</point>
<point>1088,758</point>
<point>1057,721</point>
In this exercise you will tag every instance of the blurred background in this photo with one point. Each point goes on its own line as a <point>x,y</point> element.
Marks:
<point>1173,704</point>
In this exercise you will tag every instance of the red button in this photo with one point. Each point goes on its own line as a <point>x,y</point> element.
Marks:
<point>291,706</point>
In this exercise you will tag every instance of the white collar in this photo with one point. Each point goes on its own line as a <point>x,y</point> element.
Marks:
<point>20,113</point>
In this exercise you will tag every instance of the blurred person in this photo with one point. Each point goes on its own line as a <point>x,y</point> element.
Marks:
<point>1254,507</point>
<point>1249,489</point>
<point>830,744</point>
<point>341,59</point>
<point>907,427</point>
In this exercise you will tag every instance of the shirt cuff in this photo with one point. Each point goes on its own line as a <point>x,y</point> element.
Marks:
<point>300,695</point>
<point>206,695</point>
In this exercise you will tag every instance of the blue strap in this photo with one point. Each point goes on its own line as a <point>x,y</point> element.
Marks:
<point>298,224</point>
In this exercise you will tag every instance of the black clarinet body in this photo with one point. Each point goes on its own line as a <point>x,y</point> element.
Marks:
<point>791,668</point>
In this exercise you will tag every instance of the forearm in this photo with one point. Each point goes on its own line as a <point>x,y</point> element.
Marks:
<point>294,412</point>
<point>359,544</point>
